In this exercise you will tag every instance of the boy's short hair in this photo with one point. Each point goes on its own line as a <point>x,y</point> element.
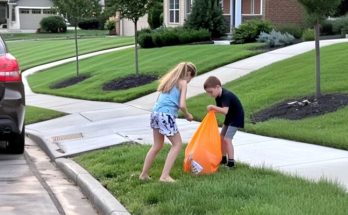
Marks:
<point>211,82</point>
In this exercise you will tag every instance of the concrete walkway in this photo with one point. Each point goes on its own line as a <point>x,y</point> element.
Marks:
<point>92,125</point>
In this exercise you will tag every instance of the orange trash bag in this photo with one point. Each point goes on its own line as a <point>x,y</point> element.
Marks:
<point>203,152</point>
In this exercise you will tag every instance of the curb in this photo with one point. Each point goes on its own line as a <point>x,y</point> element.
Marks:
<point>100,198</point>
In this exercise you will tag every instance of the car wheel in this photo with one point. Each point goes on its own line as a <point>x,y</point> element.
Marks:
<point>17,143</point>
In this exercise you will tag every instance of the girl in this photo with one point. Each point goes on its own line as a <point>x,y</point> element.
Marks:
<point>172,88</point>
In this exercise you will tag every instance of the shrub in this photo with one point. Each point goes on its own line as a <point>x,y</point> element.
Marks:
<point>308,34</point>
<point>294,30</point>
<point>248,31</point>
<point>339,23</point>
<point>110,24</point>
<point>276,38</point>
<point>171,36</point>
<point>145,40</point>
<point>207,14</point>
<point>155,17</point>
<point>91,23</point>
<point>327,28</point>
<point>344,31</point>
<point>53,24</point>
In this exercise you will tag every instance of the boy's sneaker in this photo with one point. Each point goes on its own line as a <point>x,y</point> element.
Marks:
<point>231,163</point>
<point>223,160</point>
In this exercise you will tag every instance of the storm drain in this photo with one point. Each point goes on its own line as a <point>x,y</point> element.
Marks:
<point>67,137</point>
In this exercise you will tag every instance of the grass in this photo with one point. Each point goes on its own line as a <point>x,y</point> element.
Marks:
<point>33,53</point>
<point>244,190</point>
<point>68,35</point>
<point>288,79</point>
<point>158,61</point>
<point>36,114</point>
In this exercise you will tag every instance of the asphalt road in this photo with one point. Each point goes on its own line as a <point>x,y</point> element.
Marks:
<point>31,184</point>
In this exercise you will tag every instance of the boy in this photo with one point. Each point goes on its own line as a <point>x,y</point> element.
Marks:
<point>228,104</point>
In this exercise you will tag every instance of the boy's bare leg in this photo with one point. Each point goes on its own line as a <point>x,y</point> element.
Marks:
<point>158,139</point>
<point>171,157</point>
<point>229,148</point>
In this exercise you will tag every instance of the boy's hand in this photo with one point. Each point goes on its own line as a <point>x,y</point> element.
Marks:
<point>211,107</point>
<point>189,117</point>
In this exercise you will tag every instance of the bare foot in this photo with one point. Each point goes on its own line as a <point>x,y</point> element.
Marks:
<point>167,180</point>
<point>144,177</point>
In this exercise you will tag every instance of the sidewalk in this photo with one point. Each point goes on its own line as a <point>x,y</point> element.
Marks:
<point>92,125</point>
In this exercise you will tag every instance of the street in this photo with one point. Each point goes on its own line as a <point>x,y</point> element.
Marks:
<point>31,184</point>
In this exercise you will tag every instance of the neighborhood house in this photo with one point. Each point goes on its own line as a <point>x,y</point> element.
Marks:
<point>279,12</point>
<point>25,14</point>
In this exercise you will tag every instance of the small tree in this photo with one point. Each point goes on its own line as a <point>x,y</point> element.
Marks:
<point>133,10</point>
<point>318,11</point>
<point>207,14</point>
<point>76,10</point>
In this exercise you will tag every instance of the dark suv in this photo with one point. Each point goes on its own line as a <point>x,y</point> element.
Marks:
<point>12,103</point>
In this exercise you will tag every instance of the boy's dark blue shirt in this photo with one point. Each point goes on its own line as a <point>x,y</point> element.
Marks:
<point>235,115</point>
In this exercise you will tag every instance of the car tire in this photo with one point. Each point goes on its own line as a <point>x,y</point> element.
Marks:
<point>17,143</point>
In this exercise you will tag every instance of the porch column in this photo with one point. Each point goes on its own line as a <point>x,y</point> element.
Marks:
<point>231,15</point>
<point>237,13</point>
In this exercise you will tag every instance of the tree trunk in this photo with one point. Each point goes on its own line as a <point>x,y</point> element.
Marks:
<point>136,47</point>
<point>317,58</point>
<point>77,52</point>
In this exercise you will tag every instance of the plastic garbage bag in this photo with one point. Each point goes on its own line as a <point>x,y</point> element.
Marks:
<point>203,152</point>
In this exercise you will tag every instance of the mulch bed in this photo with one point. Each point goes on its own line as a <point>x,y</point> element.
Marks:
<point>300,108</point>
<point>129,82</point>
<point>69,82</point>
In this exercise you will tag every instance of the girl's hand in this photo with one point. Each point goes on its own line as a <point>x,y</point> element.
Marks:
<point>189,117</point>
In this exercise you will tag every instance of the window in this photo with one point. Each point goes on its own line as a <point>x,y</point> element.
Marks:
<point>47,11</point>
<point>252,7</point>
<point>24,11</point>
<point>174,11</point>
<point>36,11</point>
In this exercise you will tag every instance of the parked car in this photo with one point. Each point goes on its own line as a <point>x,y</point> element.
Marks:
<point>12,103</point>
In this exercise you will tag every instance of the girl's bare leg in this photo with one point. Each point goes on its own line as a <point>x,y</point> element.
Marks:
<point>158,139</point>
<point>171,157</point>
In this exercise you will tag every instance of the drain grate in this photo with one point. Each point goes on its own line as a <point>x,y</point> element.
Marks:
<point>66,137</point>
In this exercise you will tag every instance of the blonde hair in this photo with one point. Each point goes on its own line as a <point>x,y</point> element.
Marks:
<point>168,81</point>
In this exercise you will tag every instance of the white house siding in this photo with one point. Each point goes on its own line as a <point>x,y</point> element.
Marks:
<point>127,26</point>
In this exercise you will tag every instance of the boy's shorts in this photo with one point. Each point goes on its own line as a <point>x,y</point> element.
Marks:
<point>228,131</point>
<point>165,123</point>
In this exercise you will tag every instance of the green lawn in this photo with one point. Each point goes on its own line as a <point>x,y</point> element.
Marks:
<point>244,190</point>
<point>156,61</point>
<point>36,114</point>
<point>293,78</point>
<point>68,34</point>
<point>33,53</point>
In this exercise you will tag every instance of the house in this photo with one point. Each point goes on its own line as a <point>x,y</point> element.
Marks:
<point>279,12</point>
<point>25,14</point>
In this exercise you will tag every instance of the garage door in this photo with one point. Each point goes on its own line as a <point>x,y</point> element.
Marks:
<point>30,18</point>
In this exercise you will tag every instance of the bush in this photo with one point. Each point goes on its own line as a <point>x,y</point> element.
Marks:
<point>171,36</point>
<point>155,17</point>
<point>344,31</point>
<point>276,38</point>
<point>207,14</point>
<point>110,24</point>
<point>53,24</point>
<point>326,28</point>
<point>339,23</point>
<point>145,40</point>
<point>91,23</point>
<point>294,30</point>
<point>249,30</point>
<point>308,34</point>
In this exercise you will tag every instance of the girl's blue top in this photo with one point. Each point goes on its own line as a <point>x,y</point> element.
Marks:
<point>168,102</point>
